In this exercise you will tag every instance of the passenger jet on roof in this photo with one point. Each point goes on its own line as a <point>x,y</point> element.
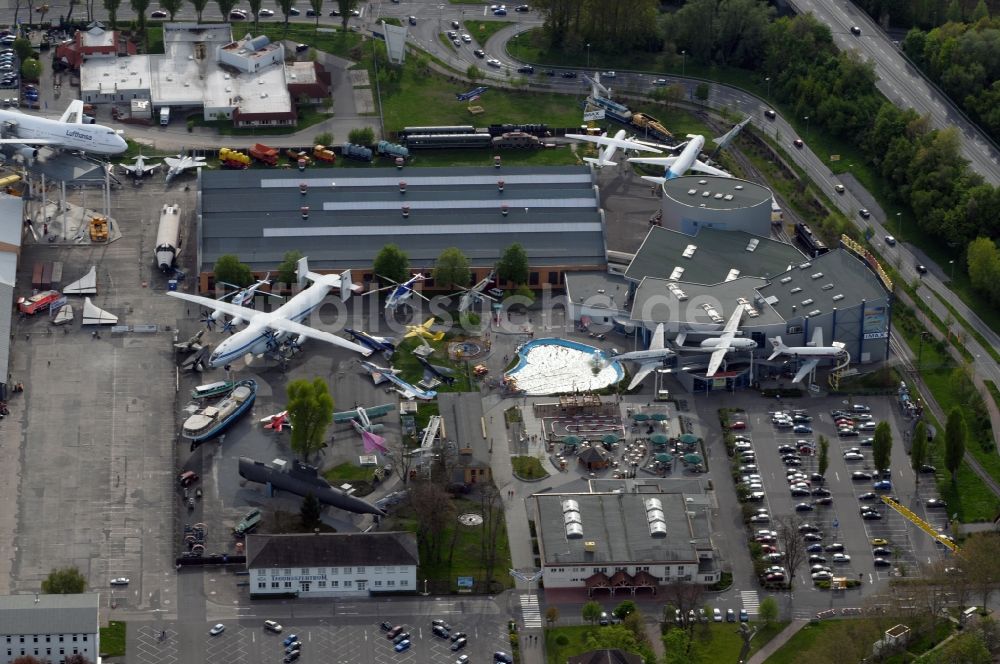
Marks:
<point>815,352</point>
<point>23,132</point>
<point>649,359</point>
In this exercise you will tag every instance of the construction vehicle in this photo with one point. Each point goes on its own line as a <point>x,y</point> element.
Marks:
<point>264,154</point>
<point>296,155</point>
<point>9,184</point>
<point>651,126</point>
<point>322,153</point>
<point>233,159</point>
<point>98,228</point>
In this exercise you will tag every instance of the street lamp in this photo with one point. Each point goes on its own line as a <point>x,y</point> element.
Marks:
<point>806,118</point>
<point>952,264</point>
<point>588,55</point>
<point>899,224</point>
<point>768,81</point>
<point>684,63</point>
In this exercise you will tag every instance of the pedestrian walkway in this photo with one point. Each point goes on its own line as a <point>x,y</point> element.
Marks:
<point>530,612</point>
<point>779,640</point>
<point>751,601</point>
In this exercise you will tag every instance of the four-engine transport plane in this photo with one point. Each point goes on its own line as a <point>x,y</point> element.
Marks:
<point>815,352</point>
<point>267,332</point>
<point>678,166</point>
<point>649,359</point>
<point>139,169</point>
<point>611,145</point>
<point>23,133</point>
<point>241,297</point>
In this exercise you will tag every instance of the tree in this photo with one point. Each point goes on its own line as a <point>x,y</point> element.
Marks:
<point>473,73</point>
<point>140,7</point>
<point>824,455</point>
<point>27,659</point>
<point>229,268</point>
<point>171,7</point>
<point>452,269</point>
<point>226,6</point>
<point>680,647</point>
<point>882,446</point>
<point>287,268</point>
<point>362,136</point>
<point>76,659</point>
<point>591,611</point>
<point>345,7</point>
<point>31,69</point>
<point>683,596</point>
<point>768,610</point>
<point>317,7</point>
<point>981,564</point>
<point>285,7</point>
<point>111,6</point>
<point>551,615</point>
<point>619,636</point>
<point>964,648</point>
<point>311,511</point>
<point>918,448</point>
<point>199,7</point>
<point>790,541</point>
<point>513,265</point>
<point>954,441</point>
<point>310,411</point>
<point>434,510</point>
<point>22,47</point>
<point>491,509</point>
<point>624,609</point>
<point>65,581</point>
<point>392,263</point>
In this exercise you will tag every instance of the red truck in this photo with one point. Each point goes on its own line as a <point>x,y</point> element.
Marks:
<point>37,302</point>
<point>264,154</point>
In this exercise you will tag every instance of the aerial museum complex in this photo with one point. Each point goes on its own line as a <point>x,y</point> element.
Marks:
<point>660,283</point>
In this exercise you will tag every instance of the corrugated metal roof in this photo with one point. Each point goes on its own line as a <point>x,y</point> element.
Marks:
<point>49,614</point>
<point>399,230</point>
<point>492,204</point>
<point>430,180</point>
<point>11,214</point>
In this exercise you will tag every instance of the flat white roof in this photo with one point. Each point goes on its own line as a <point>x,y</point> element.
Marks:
<point>98,37</point>
<point>107,75</point>
<point>303,73</point>
<point>263,91</point>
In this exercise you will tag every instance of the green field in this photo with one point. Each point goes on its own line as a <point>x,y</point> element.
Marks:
<point>481,31</point>
<point>113,639</point>
<point>818,641</point>
<point>413,372</point>
<point>527,467</point>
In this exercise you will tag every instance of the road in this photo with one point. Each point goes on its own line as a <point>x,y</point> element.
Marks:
<point>900,81</point>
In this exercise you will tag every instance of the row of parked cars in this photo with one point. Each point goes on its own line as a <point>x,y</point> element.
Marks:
<point>701,616</point>
<point>400,638</point>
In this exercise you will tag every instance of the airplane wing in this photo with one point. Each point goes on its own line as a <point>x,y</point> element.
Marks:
<point>654,179</point>
<point>345,416</point>
<point>380,411</point>
<point>642,371</point>
<point>715,361</point>
<point>729,331</point>
<point>698,165</point>
<point>657,342</point>
<point>281,324</point>
<point>30,141</point>
<point>807,366</point>
<point>655,161</point>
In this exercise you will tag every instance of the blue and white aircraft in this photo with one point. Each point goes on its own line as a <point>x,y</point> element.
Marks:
<point>241,297</point>
<point>381,374</point>
<point>681,164</point>
<point>401,292</point>
<point>384,345</point>
<point>267,332</point>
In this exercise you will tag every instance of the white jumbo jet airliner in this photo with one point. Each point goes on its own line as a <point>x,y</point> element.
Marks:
<point>22,133</point>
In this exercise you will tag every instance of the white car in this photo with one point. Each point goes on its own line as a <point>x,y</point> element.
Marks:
<point>841,558</point>
<point>854,456</point>
<point>493,62</point>
<point>717,615</point>
<point>273,626</point>
<point>120,581</point>
<point>467,39</point>
<point>265,13</point>
<point>218,629</point>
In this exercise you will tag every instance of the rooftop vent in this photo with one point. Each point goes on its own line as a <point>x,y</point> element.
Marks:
<point>728,197</point>
<point>738,187</point>
<point>570,505</point>
<point>574,531</point>
<point>692,192</point>
<point>676,274</point>
<point>817,275</point>
<point>718,196</point>
<point>689,251</point>
<point>814,312</point>
<point>806,302</point>
<point>706,194</point>
<point>702,182</point>
<point>733,274</point>
<point>785,280</point>
<point>590,546</point>
<point>752,245</point>
<point>751,312</point>
<point>795,290</point>
<point>838,297</point>
<point>827,286</point>
<point>805,266</point>
<point>676,290</point>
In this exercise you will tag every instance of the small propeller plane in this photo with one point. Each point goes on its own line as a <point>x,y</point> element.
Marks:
<point>423,331</point>
<point>241,297</point>
<point>139,168</point>
<point>475,295</point>
<point>381,374</point>
<point>401,292</point>
<point>360,419</point>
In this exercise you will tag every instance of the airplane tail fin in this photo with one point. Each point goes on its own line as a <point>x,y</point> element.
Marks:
<point>817,339</point>
<point>302,271</point>
<point>346,286</point>
<point>73,113</point>
<point>778,345</point>
<point>679,340</point>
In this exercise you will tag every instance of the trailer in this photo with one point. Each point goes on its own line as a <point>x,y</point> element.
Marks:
<point>392,149</point>
<point>359,152</point>
<point>233,159</point>
<point>414,141</point>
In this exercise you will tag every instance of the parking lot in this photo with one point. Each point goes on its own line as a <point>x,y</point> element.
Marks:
<point>840,522</point>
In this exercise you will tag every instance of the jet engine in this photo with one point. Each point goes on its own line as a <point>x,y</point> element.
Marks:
<point>25,152</point>
<point>301,339</point>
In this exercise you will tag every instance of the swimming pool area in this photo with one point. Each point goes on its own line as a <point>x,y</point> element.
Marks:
<point>556,366</point>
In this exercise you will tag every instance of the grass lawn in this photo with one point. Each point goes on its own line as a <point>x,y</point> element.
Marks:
<point>528,468</point>
<point>797,647</point>
<point>468,551</point>
<point>558,156</point>
<point>481,31</point>
<point>808,642</point>
<point>576,640</point>
<point>347,472</point>
<point>721,642</point>
<point>113,639</point>
<point>413,372</point>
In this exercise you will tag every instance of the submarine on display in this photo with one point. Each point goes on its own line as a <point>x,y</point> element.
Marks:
<point>301,480</point>
<point>167,237</point>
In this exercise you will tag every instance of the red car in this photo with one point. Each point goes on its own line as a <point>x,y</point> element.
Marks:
<point>738,426</point>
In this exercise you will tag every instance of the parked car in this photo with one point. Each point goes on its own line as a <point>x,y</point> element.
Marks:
<point>854,456</point>
<point>217,629</point>
<point>393,633</point>
<point>881,562</point>
<point>459,644</point>
<point>717,615</point>
<point>120,581</point>
<point>402,645</point>
<point>158,13</point>
<point>860,475</point>
<point>744,617</point>
<point>882,485</point>
<point>813,537</point>
<point>935,503</point>
<point>274,626</point>
<point>730,615</point>
<point>841,558</point>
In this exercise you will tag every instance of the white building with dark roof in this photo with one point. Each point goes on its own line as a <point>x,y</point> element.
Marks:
<point>332,564</point>
<point>49,627</point>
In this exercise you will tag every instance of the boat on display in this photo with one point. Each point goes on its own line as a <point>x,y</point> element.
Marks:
<point>212,420</point>
<point>209,390</point>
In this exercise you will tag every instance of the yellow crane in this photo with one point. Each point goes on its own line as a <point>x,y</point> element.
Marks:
<point>920,523</point>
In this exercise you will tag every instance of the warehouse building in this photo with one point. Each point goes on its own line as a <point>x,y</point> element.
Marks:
<point>49,627</point>
<point>342,219</point>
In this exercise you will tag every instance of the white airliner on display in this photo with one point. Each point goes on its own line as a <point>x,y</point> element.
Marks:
<point>649,359</point>
<point>726,342</point>
<point>21,132</point>
<point>139,168</point>
<point>241,297</point>
<point>611,145</point>
<point>267,332</point>
<point>681,164</point>
<point>815,351</point>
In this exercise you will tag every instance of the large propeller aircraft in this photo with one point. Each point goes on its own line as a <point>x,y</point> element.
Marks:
<point>241,297</point>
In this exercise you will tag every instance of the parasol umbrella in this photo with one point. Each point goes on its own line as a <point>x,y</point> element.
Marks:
<point>692,458</point>
<point>689,438</point>
<point>659,439</point>
<point>659,417</point>
<point>571,440</point>
<point>610,438</point>
<point>663,457</point>
<point>640,417</point>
